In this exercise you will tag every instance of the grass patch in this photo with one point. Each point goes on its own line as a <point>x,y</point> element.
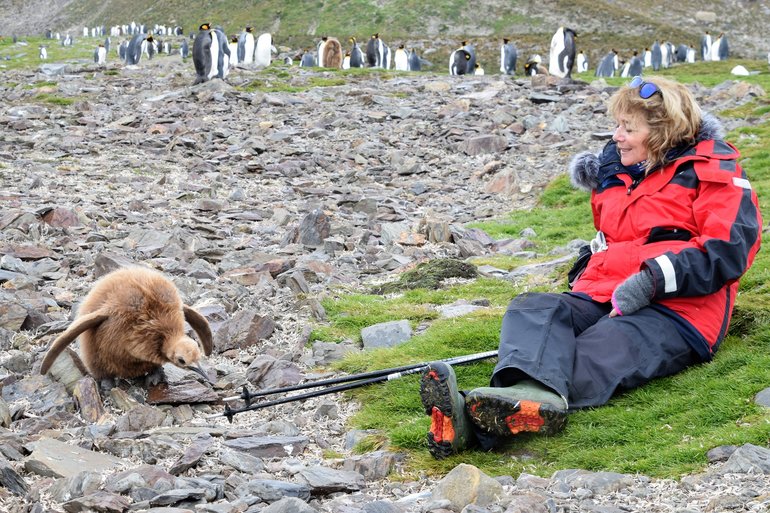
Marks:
<point>54,100</point>
<point>662,429</point>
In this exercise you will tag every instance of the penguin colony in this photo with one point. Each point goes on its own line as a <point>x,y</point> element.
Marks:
<point>214,54</point>
<point>130,324</point>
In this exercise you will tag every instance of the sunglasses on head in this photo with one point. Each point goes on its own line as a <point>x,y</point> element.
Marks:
<point>646,89</point>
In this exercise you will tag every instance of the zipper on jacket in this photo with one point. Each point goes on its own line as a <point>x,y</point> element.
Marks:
<point>633,185</point>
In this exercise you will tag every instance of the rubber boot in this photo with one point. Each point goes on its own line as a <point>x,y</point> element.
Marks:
<point>450,429</point>
<point>527,406</point>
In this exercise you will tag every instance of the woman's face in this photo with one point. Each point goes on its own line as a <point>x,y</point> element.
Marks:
<point>631,138</point>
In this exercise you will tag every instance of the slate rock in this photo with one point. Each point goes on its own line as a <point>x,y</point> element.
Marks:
<point>324,480</point>
<point>289,505</point>
<point>272,490</point>
<point>104,502</point>
<point>57,459</point>
<point>106,262</point>
<point>269,372</point>
<point>372,466</point>
<point>269,446</point>
<point>314,228</point>
<point>748,458</point>
<point>192,455</point>
<point>12,480</point>
<point>241,461</point>
<point>386,334</point>
<point>483,144</point>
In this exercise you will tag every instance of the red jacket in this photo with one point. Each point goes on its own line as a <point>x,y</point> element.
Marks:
<point>695,224</point>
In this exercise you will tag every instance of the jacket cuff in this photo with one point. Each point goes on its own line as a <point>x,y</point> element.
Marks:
<point>663,276</point>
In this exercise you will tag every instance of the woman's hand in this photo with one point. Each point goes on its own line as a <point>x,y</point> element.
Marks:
<point>633,294</point>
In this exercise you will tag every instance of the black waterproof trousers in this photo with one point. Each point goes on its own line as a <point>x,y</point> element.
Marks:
<point>571,345</point>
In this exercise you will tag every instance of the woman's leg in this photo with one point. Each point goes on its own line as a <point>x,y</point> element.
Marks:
<point>538,339</point>
<point>530,384</point>
<point>625,352</point>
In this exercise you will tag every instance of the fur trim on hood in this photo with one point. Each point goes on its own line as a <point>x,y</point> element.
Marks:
<point>584,167</point>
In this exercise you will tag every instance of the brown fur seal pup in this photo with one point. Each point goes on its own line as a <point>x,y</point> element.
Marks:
<point>130,324</point>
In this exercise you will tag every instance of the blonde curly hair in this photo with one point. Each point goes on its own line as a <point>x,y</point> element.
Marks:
<point>673,116</point>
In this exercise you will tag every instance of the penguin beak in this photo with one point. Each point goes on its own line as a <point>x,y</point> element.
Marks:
<point>198,369</point>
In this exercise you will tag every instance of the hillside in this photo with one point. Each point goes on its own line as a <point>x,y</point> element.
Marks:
<point>600,24</point>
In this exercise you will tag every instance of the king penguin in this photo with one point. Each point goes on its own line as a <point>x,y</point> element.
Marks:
<point>356,55</point>
<point>184,50</point>
<point>478,70</point>
<point>414,61</point>
<point>264,50</point>
<point>666,54</point>
<point>233,46</point>
<point>346,61</point>
<point>222,54</point>
<point>246,46</point>
<point>719,49</point>
<point>148,47</point>
<point>705,46</point>
<point>377,53</point>
<point>647,58</point>
<point>320,51</point>
<point>307,60</point>
<point>43,53</point>
<point>134,49</point>
<point>581,61</point>
<point>458,62</point>
<point>656,56</point>
<point>690,54</point>
<point>635,65</point>
<point>203,51</point>
<point>100,55</point>
<point>371,51</point>
<point>508,56</point>
<point>608,65</point>
<point>562,56</point>
<point>681,53</point>
<point>534,66</point>
<point>400,59</point>
<point>471,69</point>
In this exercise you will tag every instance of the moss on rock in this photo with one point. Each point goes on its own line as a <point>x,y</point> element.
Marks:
<point>429,275</point>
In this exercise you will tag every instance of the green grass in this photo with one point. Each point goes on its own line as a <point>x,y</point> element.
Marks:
<point>662,429</point>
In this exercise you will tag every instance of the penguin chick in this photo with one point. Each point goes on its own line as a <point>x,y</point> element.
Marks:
<point>130,324</point>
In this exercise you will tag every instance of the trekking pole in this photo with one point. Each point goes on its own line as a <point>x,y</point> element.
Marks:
<point>354,381</point>
<point>247,395</point>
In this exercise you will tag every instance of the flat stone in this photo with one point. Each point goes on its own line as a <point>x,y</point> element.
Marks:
<point>324,480</point>
<point>386,334</point>
<point>269,446</point>
<point>271,490</point>
<point>57,459</point>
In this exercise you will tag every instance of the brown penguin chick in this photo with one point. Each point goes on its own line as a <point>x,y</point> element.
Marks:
<point>130,324</point>
<point>332,53</point>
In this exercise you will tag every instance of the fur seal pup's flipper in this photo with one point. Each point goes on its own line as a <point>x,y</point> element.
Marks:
<point>87,322</point>
<point>201,327</point>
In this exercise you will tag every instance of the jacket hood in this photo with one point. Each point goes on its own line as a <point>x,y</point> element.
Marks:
<point>584,167</point>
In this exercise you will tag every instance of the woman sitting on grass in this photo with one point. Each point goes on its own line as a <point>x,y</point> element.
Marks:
<point>678,224</point>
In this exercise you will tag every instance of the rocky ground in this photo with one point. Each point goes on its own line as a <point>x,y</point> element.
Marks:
<point>257,205</point>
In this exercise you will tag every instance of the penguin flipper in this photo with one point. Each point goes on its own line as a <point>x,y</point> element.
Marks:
<point>201,327</point>
<point>87,322</point>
